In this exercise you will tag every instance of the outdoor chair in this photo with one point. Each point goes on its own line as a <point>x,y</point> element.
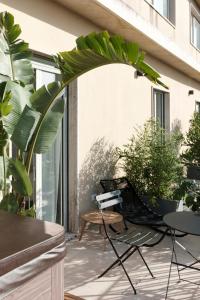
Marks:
<point>133,209</point>
<point>135,237</point>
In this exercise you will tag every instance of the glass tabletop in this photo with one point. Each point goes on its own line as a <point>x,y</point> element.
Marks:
<point>184,221</point>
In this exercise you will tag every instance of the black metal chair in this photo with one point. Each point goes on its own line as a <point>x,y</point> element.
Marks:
<point>135,237</point>
<point>133,209</point>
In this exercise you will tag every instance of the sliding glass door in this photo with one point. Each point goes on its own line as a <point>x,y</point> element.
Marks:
<point>50,173</point>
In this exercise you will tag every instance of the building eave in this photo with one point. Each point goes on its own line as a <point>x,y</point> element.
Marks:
<point>118,18</point>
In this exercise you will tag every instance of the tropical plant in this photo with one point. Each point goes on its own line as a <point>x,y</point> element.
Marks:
<point>151,161</point>
<point>30,119</point>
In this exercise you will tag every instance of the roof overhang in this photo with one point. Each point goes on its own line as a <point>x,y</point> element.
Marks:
<point>118,18</point>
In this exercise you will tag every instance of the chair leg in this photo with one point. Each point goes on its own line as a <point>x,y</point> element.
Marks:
<point>145,262</point>
<point>120,261</point>
<point>117,261</point>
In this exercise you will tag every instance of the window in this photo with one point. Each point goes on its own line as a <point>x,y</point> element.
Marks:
<point>160,108</point>
<point>197,106</point>
<point>165,7</point>
<point>195,32</point>
<point>162,6</point>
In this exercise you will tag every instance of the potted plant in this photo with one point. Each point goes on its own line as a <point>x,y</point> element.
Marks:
<point>152,164</point>
<point>191,158</point>
<point>29,119</point>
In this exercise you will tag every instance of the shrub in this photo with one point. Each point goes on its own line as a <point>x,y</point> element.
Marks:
<point>151,160</point>
<point>192,154</point>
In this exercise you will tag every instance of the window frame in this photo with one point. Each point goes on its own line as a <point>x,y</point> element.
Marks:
<point>171,19</point>
<point>194,13</point>
<point>165,106</point>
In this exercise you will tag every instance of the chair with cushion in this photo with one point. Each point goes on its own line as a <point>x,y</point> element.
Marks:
<point>134,237</point>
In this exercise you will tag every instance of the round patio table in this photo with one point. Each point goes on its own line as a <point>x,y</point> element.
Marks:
<point>184,221</point>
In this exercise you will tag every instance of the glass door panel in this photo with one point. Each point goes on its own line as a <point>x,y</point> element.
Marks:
<point>48,169</point>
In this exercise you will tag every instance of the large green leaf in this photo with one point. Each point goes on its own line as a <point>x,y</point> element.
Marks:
<point>21,182</point>
<point>39,124</point>
<point>49,127</point>
<point>25,128</point>
<point>98,49</point>
<point>14,53</point>
<point>48,101</point>
<point>20,97</point>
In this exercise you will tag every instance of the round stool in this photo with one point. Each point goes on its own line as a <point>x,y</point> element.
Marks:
<point>95,217</point>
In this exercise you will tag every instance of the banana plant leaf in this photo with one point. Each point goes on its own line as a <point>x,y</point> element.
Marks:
<point>14,53</point>
<point>25,128</point>
<point>21,182</point>
<point>98,49</point>
<point>91,52</point>
<point>41,129</point>
<point>20,97</point>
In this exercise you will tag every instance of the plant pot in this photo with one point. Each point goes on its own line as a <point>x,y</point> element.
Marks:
<point>164,206</point>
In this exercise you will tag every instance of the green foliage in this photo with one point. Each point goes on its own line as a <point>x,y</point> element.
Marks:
<point>9,203</point>
<point>151,161</point>
<point>15,64</point>
<point>192,154</point>
<point>31,119</point>
<point>21,181</point>
<point>30,212</point>
<point>192,199</point>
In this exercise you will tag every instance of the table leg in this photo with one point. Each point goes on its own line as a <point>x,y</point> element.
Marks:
<point>172,234</point>
<point>84,223</point>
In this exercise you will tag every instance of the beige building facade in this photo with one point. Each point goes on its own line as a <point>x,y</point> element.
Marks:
<point>106,104</point>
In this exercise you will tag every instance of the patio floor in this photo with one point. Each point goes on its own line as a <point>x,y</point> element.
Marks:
<point>86,259</point>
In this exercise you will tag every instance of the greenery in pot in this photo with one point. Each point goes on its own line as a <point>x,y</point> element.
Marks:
<point>191,158</point>
<point>151,161</point>
<point>29,119</point>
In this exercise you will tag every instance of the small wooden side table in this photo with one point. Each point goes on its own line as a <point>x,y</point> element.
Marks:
<point>95,217</point>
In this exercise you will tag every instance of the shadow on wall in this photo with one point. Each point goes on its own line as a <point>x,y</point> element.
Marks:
<point>99,163</point>
<point>176,125</point>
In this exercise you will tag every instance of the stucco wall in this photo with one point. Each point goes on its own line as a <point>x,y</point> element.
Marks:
<point>47,26</point>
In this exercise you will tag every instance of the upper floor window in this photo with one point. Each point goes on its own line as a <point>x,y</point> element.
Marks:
<point>195,32</point>
<point>162,6</point>
<point>165,7</point>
